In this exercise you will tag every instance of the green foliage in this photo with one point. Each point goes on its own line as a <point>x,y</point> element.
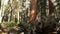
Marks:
<point>9,24</point>
<point>42,6</point>
<point>12,24</point>
<point>4,25</point>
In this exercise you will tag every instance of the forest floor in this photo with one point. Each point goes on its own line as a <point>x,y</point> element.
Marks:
<point>14,30</point>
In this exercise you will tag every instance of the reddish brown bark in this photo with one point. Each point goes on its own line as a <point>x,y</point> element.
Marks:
<point>51,6</point>
<point>33,10</point>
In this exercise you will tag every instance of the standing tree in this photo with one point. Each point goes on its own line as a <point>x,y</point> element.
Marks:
<point>51,6</point>
<point>33,10</point>
<point>0,3</point>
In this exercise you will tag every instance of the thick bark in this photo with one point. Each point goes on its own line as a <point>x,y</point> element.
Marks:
<point>33,10</point>
<point>51,6</point>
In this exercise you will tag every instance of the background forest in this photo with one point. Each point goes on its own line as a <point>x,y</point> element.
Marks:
<point>29,16</point>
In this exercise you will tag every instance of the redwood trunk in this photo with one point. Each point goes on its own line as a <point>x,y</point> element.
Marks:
<point>51,6</point>
<point>33,10</point>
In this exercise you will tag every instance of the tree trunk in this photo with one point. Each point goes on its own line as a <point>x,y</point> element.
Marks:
<point>51,6</point>
<point>0,11</point>
<point>0,3</point>
<point>33,10</point>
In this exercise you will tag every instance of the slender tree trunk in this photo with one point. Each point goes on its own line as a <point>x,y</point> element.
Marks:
<point>0,3</point>
<point>51,6</point>
<point>33,10</point>
<point>0,10</point>
<point>0,16</point>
